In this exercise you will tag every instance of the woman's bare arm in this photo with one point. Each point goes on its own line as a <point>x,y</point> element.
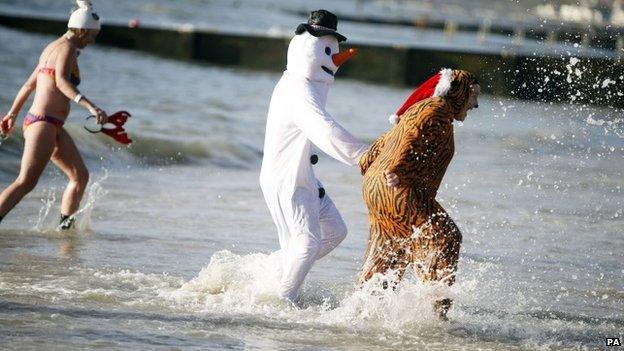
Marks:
<point>8,121</point>
<point>64,62</point>
<point>29,86</point>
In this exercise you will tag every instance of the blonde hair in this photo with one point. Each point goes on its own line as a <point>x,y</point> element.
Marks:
<point>80,32</point>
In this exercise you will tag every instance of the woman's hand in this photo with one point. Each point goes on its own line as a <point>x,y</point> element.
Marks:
<point>7,124</point>
<point>100,115</point>
<point>392,180</point>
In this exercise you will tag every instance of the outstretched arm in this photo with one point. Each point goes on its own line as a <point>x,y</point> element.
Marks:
<point>328,135</point>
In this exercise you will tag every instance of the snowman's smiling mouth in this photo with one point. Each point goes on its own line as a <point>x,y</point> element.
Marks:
<point>329,71</point>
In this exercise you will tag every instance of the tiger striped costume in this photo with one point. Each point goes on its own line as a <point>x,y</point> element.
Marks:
<point>407,224</point>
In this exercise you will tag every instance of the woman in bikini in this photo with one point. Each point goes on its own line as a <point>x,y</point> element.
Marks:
<point>54,81</point>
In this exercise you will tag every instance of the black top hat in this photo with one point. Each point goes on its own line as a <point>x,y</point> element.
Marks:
<point>320,23</point>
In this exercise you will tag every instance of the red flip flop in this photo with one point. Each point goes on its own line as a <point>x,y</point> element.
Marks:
<point>118,119</point>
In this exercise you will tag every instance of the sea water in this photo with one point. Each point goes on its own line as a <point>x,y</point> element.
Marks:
<point>172,248</point>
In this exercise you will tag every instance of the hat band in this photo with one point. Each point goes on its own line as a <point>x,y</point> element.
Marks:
<point>316,26</point>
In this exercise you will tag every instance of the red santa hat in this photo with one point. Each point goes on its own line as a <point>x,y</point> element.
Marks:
<point>437,85</point>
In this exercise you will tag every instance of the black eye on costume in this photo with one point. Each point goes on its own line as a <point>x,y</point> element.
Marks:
<point>327,50</point>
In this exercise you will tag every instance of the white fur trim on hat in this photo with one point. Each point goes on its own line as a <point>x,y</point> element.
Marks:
<point>444,85</point>
<point>393,119</point>
<point>84,17</point>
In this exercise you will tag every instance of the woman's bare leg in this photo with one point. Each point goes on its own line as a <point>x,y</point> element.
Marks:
<point>67,157</point>
<point>40,139</point>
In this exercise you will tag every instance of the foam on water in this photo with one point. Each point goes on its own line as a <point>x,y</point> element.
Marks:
<point>88,285</point>
<point>241,290</point>
<point>232,283</point>
<point>246,284</point>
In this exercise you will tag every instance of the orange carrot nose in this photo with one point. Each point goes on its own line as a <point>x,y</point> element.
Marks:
<point>342,57</point>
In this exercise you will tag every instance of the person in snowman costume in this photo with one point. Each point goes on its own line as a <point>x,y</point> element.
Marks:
<point>309,225</point>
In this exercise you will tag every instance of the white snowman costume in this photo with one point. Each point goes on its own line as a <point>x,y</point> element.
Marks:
<point>309,226</point>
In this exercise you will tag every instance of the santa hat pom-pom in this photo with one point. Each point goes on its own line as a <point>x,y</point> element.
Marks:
<point>393,119</point>
<point>444,84</point>
<point>437,85</point>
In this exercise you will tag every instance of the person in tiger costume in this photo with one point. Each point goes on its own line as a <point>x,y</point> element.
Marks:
<point>402,172</point>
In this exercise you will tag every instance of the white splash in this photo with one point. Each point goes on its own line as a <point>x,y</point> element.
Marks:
<point>49,223</point>
<point>94,192</point>
<point>232,282</point>
<point>607,82</point>
<point>44,211</point>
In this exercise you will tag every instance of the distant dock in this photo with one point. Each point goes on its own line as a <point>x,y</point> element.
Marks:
<point>604,36</point>
<point>518,67</point>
